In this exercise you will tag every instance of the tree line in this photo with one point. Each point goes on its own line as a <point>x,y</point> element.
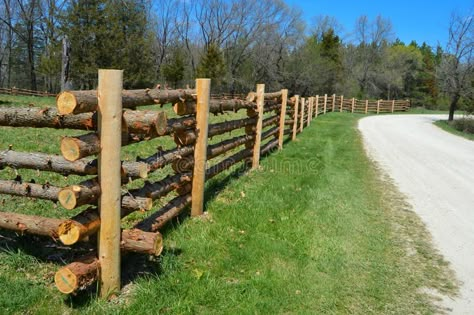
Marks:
<point>235,43</point>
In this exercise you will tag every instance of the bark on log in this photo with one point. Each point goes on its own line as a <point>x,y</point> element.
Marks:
<point>186,164</point>
<point>273,120</point>
<point>179,124</point>
<point>142,242</point>
<point>227,163</point>
<point>269,146</point>
<point>77,275</point>
<point>149,123</point>
<point>44,118</point>
<point>84,272</point>
<point>270,132</point>
<point>215,106</point>
<point>18,188</point>
<point>75,102</point>
<point>184,137</point>
<point>58,164</point>
<point>227,126</point>
<point>161,188</point>
<point>163,158</point>
<point>252,96</point>
<point>75,148</point>
<point>158,219</point>
<point>29,224</point>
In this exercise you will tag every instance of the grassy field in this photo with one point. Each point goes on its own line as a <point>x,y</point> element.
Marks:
<point>314,231</point>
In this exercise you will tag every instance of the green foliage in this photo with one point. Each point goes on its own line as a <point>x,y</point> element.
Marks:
<point>109,34</point>
<point>173,70</point>
<point>212,65</point>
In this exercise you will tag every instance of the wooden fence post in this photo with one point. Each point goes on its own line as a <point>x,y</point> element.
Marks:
<point>333,102</point>
<point>284,100</point>
<point>378,106</point>
<point>366,106</point>
<point>393,106</point>
<point>310,111</point>
<point>295,118</point>
<point>258,131</point>
<point>203,91</point>
<point>317,106</point>
<point>303,100</point>
<point>109,96</point>
<point>353,105</point>
<point>342,103</point>
<point>325,102</point>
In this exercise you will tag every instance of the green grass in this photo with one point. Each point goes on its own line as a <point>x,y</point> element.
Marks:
<point>314,231</point>
<point>444,124</point>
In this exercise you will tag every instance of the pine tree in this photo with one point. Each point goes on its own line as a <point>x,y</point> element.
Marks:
<point>212,65</point>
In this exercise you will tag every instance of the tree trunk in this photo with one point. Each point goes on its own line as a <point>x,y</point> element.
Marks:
<point>452,107</point>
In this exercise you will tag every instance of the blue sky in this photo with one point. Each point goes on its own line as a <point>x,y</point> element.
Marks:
<point>419,20</point>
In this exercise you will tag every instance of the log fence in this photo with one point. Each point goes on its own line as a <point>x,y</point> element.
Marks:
<point>25,92</point>
<point>112,120</point>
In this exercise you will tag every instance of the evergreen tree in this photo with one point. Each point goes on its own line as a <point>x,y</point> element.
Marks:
<point>212,65</point>
<point>173,70</point>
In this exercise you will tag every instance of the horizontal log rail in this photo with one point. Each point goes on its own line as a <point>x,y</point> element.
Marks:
<point>76,102</point>
<point>215,106</point>
<point>32,190</point>
<point>58,164</point>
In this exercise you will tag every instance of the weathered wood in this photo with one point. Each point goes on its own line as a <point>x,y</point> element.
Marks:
<point>215,106</point>
<point>87,192</point>
<point>295,118</point>
<point>284,104</point>
<point>29,224</point>
<point>76,102</point>
<point>18,188</point>
<point>58,164</point>
<point>203,87</point>
<point>109,94</point>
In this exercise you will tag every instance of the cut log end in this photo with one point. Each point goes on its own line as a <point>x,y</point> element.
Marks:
<point>68,197</point>
<point>161,123</point>
<point>66,103</point>
<point>70,149</point>
<point>66,281</point>
<point>69,233</point>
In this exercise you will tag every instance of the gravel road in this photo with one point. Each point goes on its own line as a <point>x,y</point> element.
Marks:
<point>435,170</point>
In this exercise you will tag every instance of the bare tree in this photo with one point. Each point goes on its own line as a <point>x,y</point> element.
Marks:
<point>457,66</point>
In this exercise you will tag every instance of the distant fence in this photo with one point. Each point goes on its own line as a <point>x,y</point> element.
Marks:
<point>269,118</point>
<point>24,92</point>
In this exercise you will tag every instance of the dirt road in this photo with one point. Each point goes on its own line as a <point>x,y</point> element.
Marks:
<point>435,170</point>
